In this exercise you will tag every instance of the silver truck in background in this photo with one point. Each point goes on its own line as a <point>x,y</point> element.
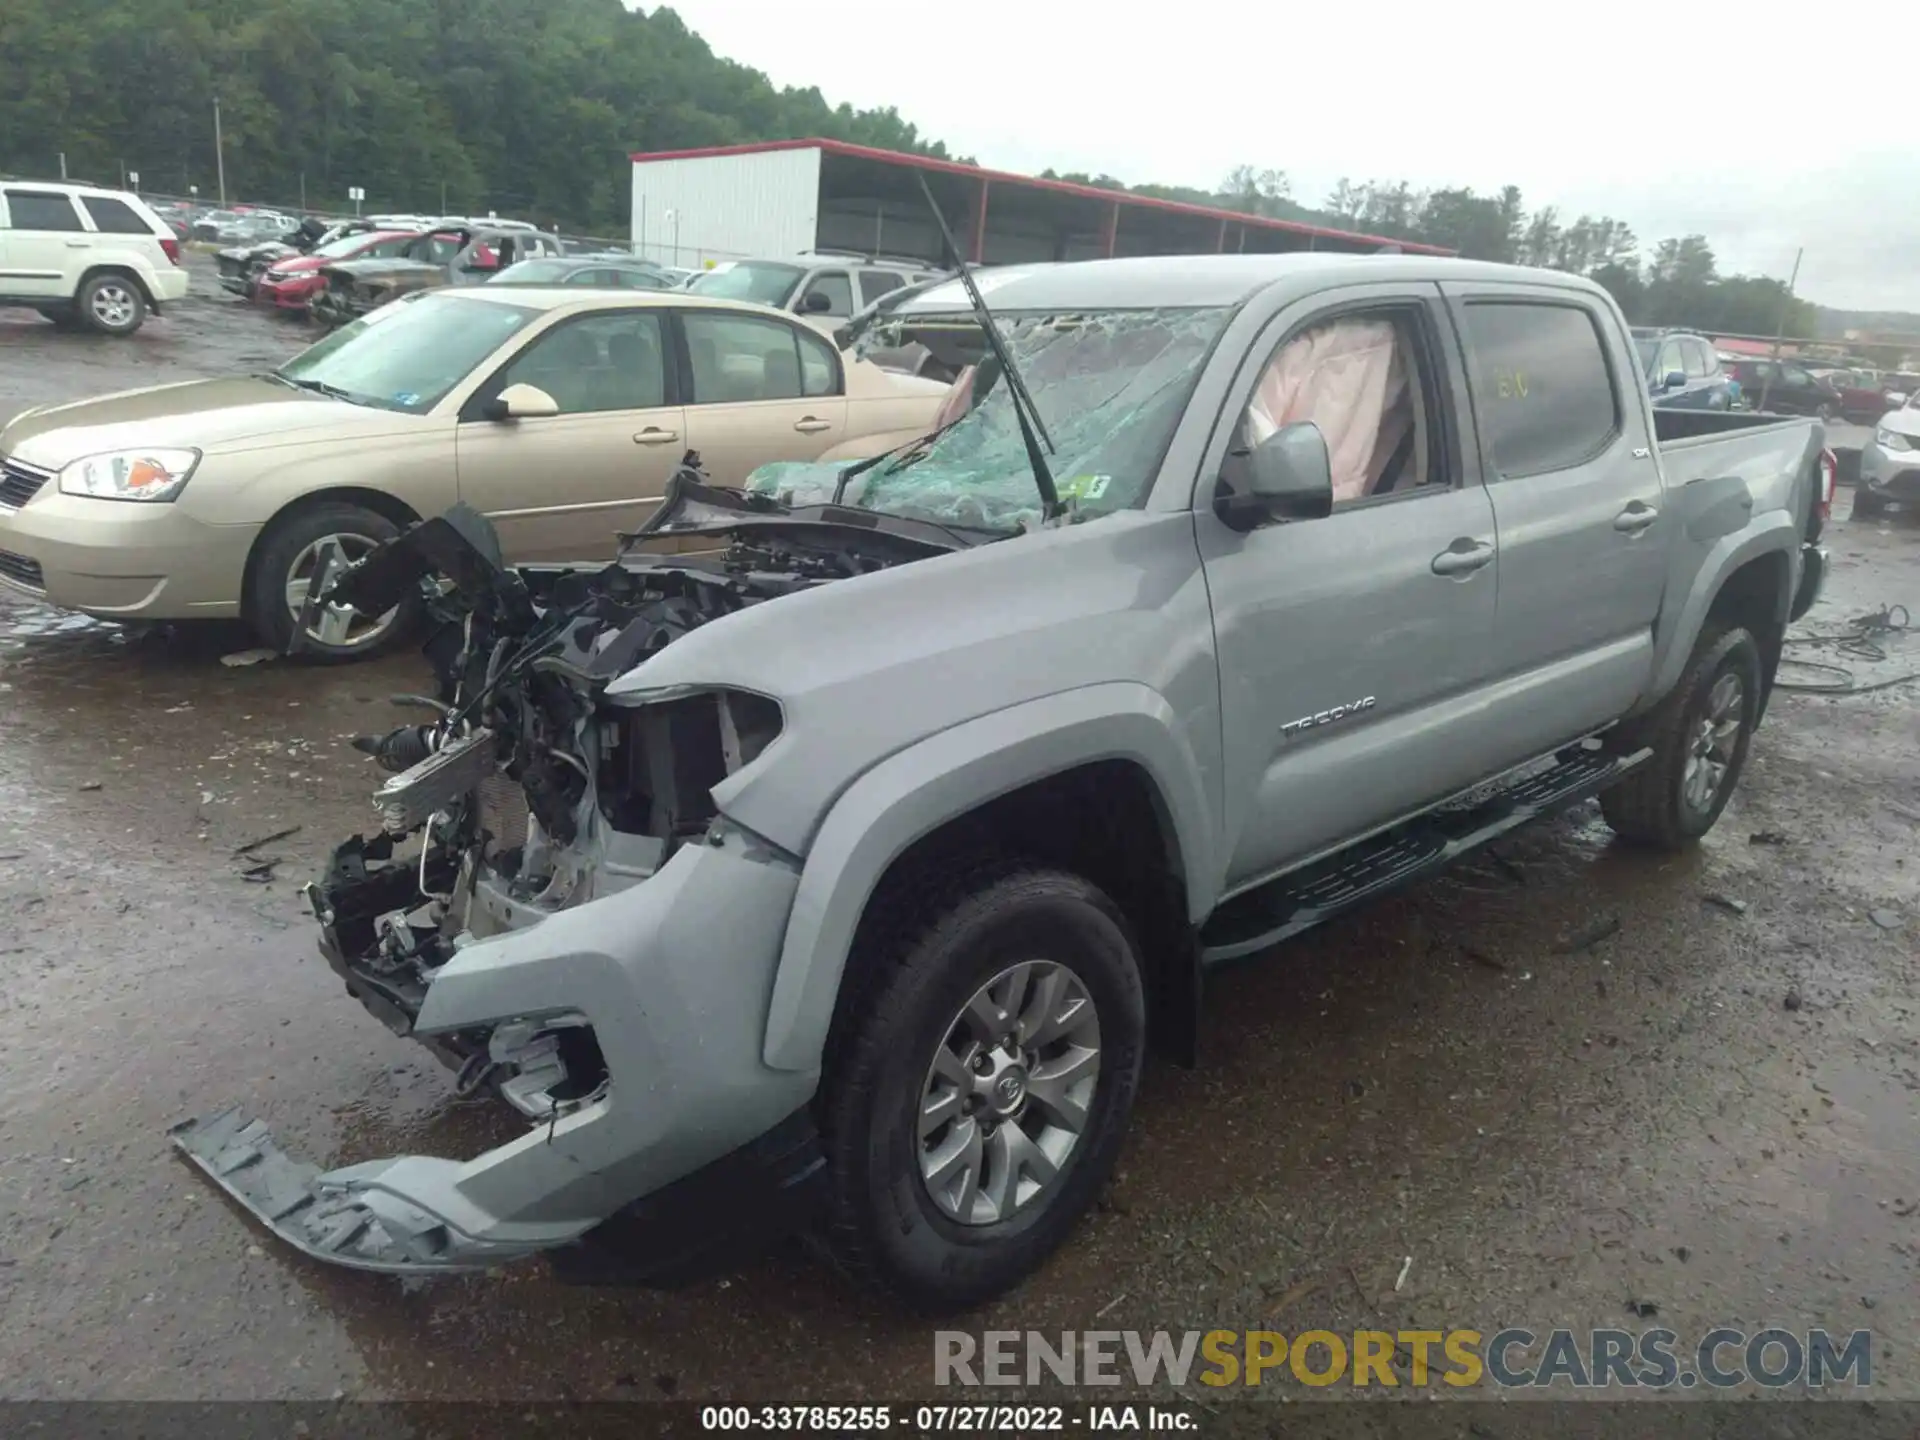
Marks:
<point>839,867</point>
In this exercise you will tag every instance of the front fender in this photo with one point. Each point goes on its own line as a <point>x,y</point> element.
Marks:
<point>1712,558</point>
<point>917,790</point>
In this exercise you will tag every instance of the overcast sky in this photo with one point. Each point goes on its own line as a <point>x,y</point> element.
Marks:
<point>1674,118</point>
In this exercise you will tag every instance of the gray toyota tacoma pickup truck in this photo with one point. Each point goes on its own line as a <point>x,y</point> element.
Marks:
<point>833,859</point>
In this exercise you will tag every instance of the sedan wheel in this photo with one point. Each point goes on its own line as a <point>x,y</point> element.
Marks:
<point>337,627</point>
<point>304,548</point>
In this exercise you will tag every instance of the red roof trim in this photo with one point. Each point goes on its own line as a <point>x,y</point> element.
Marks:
<point>1060,187</point>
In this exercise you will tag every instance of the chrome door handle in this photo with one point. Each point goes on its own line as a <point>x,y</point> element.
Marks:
<point>76,244</point>
<point>1463,557</point>
<point>808,425</point>
<point>1635,518</point>
<point>653,435</point>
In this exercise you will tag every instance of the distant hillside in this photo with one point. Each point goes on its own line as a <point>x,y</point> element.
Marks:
<point>1834,324</point>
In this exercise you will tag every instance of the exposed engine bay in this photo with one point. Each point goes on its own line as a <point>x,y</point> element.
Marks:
<point>528,791</point>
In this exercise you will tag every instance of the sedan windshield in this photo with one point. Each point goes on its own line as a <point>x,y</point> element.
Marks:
<point>535,272</point>
<point>1109,387</point>
<point>761,281</point>
<point>406,357</point>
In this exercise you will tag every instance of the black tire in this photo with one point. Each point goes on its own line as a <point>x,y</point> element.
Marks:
<point>111,303</point>
<point>937,945</point>
<point>1651,806</point>
<point>276,553</point>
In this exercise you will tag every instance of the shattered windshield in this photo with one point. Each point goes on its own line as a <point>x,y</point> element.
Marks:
<point>1109,386</point>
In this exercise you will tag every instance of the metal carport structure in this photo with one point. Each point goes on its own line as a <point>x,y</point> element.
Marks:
<point>786,197</point>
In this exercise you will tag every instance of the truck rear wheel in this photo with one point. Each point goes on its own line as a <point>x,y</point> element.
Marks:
<point>976,1103</point>
<point>1699,733</point>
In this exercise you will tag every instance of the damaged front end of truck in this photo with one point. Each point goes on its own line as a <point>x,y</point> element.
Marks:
<point>553,904</point>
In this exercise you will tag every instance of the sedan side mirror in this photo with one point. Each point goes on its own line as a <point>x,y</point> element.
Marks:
<point>1287,476</point>
<point>815,303</point>
<point>521,402</point>
<point>1674,380</point>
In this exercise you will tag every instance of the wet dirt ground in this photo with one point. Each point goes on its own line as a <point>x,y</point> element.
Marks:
<point>1577,1085</point>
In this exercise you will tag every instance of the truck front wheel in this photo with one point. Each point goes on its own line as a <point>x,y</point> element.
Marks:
<point>1699,734</point>
<point>975,1103</point>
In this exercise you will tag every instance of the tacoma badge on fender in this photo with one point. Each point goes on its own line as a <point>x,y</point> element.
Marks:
<point>1338,712</point>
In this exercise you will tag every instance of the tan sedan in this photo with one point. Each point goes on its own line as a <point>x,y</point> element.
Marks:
<point>559,413</point>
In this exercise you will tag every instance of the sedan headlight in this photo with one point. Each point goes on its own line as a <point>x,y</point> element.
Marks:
<point>1891,439</point>
<point>130,474</point>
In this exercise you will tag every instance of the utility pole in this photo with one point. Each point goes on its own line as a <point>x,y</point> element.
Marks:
<point>443,197</point>
<point>1786,310</point>
<point>63,164</point>
<point>219,152</point>
<point>303,192</point>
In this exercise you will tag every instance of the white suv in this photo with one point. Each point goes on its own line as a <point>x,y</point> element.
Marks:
<point>85,256</point>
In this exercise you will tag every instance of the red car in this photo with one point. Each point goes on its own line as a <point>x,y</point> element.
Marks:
<point>291,284</point>
<point>1859,401</point>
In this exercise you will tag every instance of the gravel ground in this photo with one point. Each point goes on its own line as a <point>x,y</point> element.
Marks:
<point>1706,1113</point>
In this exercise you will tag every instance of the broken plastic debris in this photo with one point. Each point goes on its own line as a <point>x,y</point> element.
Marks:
<point>247,657</point>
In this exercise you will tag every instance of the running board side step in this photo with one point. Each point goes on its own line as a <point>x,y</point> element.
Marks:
<point>1303,898</point>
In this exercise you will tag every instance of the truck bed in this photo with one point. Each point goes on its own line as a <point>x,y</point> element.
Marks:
<point>1778,458</point>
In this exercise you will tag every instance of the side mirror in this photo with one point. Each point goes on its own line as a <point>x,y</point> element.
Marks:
<point>521,402</point>
<point>815,302</point>
<point>1674,380</point>
<point>1287,476</point>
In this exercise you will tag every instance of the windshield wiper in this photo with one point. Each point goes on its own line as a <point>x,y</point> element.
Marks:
<point>901,456</point>
<point>320,387</point>
<point>1032,430</point>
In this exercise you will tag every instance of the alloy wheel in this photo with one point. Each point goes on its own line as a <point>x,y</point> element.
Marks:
<point>1714,741</point>
<point>114,305</point>
<point>339,627</point>
<point>1009,1092</point>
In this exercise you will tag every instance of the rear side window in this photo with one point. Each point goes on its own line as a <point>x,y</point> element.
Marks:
<point>38,210</point>
<point>875,283</point>
<point>1541,385</point>
<point>114,217</point>
<point>739,359</point>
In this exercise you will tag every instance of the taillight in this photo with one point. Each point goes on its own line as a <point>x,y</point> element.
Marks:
<point>1829,477</point>
<point>171,247</point>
